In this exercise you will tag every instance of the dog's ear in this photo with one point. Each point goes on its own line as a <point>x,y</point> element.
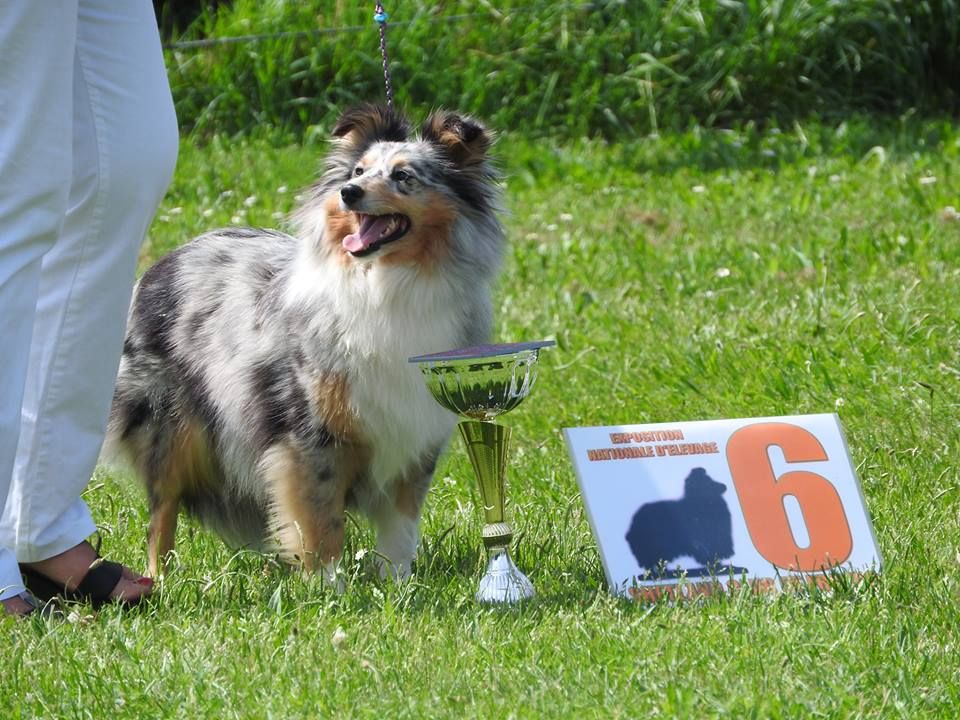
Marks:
<point>366,124</point>
<point>464,140</point>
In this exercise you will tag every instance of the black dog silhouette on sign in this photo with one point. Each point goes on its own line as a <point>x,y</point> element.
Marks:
<point>697,525</point>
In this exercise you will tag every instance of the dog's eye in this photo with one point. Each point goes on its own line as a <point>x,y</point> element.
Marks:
<point>358,171</point>
<point>400,175</point>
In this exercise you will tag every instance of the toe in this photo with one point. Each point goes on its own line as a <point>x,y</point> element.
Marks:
<point>131,587</point>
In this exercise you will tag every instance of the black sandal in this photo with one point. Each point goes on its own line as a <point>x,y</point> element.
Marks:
<point>95,588</point>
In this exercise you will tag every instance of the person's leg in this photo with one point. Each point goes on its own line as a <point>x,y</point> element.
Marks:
<point>36,82</point>
<point>124,149</point>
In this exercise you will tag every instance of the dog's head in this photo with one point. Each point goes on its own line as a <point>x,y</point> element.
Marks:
<point>699,484</point>
<point>393,194</point>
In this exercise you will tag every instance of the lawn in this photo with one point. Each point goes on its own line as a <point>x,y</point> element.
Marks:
<point>688,276</point>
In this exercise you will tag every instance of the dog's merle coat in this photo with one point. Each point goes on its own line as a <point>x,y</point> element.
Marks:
<point>264,384</point>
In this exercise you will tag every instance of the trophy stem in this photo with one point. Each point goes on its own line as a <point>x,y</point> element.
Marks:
<point>487,446</point>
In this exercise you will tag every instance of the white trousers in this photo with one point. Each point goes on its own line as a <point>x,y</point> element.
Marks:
<point>88,142</point>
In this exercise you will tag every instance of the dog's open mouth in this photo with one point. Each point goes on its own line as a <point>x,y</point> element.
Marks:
<point>375,232</point>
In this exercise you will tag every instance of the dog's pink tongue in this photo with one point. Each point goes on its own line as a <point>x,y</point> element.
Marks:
<point>371,229</point>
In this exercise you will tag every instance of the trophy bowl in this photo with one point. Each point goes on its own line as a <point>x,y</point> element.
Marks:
<point>479,384</point>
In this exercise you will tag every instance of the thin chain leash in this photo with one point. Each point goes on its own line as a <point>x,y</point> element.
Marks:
<point>380,15</point>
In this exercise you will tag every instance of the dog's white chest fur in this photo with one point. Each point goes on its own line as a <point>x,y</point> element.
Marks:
<point>387,319</point>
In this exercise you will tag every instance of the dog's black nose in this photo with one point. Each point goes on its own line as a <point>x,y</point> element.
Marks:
<point>350,194</point>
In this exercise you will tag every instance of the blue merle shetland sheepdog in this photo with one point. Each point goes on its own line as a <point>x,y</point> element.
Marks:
<point>264,385</point>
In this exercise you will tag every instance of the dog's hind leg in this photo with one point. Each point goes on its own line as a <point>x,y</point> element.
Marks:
<point>163,529</point>
<point>178,464</point>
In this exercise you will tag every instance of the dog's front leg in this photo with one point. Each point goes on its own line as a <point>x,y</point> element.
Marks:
<point>308,511</point>
<point>397,520</point>
<point>397,539</point>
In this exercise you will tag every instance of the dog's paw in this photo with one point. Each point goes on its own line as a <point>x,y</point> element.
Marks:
<point>392,571</point>
<point>333,577</point>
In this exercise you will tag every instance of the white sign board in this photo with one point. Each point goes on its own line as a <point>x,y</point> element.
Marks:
<point>689,506</point>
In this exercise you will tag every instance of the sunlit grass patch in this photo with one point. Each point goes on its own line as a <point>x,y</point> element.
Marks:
<point>694,276</point>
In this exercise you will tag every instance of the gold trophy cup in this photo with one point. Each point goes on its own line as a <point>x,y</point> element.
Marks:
<point>479,384</point>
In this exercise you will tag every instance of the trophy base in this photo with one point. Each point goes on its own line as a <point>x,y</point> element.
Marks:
<point>503,582</point>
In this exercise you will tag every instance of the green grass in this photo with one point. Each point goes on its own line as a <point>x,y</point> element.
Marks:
<point>609,68</point>
<point>701,275</point>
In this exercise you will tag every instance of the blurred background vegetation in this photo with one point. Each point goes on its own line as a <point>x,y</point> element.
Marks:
<point>607,68</point>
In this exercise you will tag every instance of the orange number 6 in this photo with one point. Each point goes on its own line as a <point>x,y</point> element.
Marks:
<point>761,497</point>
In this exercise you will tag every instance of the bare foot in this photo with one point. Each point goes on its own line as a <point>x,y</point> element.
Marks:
<point>69,567</point>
